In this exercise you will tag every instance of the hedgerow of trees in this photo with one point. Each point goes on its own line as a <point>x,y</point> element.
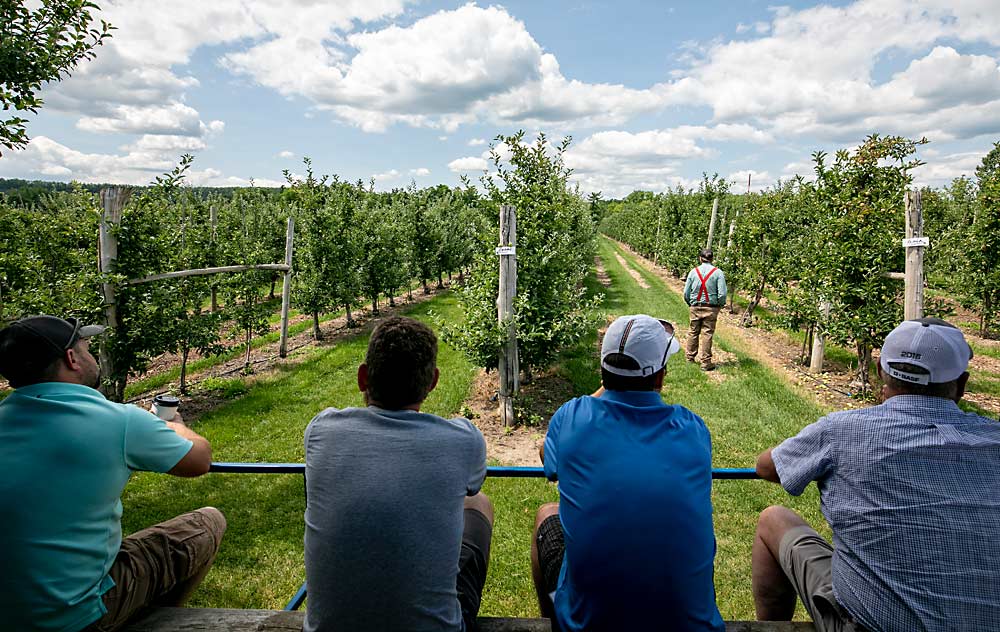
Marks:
<point>833,239</point>
<point>556,243</point>
<point>40,43</point>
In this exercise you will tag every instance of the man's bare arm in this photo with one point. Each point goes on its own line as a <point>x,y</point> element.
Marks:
<point>765,467</point>
<point>198,459</point>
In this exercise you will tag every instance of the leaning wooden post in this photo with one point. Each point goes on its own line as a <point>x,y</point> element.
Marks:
<point>286,288</point>
<point>213,216</point>
<point>112,202</point>
<point>711,225</point>
<point>818,348</point>
<point>915,242</point>
<point>509,367</point>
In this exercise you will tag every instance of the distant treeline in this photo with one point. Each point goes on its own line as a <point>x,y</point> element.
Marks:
<point>20,192</point>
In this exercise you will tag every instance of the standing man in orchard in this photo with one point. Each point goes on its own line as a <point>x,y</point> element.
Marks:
<point>67,453</point>
<point>909,488</point>
<point>705,293</point>
<point>397,532</point>
<point>630,545</point>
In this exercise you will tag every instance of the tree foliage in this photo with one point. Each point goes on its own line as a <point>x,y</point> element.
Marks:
<point>555,249</point>
<point>38,46</point>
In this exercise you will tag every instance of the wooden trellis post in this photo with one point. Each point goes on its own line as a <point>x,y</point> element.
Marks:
<point>711,225</point>
<point>915,242</point>
<point>213,216</point>
<point>286,288</point>
<point>818,347</point>
<point>112,202</point>
<point>508,367</point>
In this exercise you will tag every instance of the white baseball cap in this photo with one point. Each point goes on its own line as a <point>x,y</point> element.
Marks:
<point>647,340</point>
<point>932,344</point>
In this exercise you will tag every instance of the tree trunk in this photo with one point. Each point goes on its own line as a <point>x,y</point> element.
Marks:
<point>440,284</point>
<point>748,315</point>
<point>118,390</point>
<point>409,293</point>
<point>246,362</point>
<point>274,280</point>
<point>449,275</point>
<point>351,323</point>
<point>184,361</point>
<point>461,274</point>
<point>392,300</point>
<point>375,305</point>
<point>864,353</point>
<point>805,356</point>
<point>984,319</point>
<point>732,298</point>
<point>427,290</point>
<point>317,333</point>
<point>526,372</point>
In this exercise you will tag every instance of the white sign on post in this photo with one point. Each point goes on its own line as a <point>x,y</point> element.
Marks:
<point>916,241</point>
<point>505,250</point>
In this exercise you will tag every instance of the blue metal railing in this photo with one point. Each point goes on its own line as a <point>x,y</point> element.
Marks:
<point>496,471</point>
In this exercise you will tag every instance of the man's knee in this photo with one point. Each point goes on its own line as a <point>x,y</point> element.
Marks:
<point>481,503</point>
<point>545,511</point>
<point>215,523</point>
<point>774,522</point>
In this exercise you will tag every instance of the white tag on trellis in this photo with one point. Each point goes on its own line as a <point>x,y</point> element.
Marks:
<point>505,250</point>
<point>916,241</point>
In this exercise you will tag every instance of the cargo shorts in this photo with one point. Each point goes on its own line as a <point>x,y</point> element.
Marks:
<point>154,565</point>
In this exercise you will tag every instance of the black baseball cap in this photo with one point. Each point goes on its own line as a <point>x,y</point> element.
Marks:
<point>32,343</point>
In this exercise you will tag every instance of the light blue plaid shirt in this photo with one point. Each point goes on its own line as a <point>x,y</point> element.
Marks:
<point>911,489</point>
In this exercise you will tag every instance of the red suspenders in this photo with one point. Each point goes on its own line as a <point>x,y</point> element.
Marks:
<point>704,279</point>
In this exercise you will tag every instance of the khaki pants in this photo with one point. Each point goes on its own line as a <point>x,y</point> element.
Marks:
<point>161,565</point>
<point>703,319</point>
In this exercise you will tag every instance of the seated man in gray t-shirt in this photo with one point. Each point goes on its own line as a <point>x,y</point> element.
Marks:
<point>397,532</point>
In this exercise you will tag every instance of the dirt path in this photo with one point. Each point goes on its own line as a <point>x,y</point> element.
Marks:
<point>633,273</point>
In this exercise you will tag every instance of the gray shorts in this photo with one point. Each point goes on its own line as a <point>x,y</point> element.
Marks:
<point>806,559</point>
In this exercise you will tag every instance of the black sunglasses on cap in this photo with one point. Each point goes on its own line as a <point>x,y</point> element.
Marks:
<point>669,328</point>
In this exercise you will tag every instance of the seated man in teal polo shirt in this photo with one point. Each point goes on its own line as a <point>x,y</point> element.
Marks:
<point>67,453</point>
<point>630,545</point>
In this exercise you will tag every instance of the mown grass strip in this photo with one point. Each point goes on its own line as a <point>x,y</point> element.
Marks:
<point>747,407</point>
<point>260,565</point>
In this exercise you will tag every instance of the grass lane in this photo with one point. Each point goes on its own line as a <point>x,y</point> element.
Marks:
<point>747,407</point>
<point>260,565</point>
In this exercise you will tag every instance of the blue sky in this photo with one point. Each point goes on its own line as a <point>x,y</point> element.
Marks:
<point>653,93</point>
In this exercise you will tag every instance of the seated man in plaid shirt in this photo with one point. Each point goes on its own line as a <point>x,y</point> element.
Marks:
<point>910,489</point>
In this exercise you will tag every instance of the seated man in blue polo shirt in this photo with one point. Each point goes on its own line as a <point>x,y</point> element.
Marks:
<point>630,545</point>
<point>67,453</point>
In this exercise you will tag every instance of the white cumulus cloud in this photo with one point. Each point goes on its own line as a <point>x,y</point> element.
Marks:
<point>467,164</point>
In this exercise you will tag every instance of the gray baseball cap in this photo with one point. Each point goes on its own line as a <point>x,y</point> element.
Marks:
<point>932,344</point>
<point>647,340</point>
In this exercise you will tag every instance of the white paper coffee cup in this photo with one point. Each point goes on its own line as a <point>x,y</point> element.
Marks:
<point>165,406</point>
